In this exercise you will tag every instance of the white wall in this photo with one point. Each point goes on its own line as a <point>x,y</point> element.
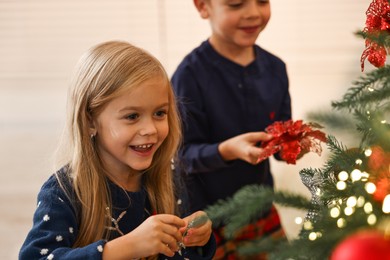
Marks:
<point>41,40</point>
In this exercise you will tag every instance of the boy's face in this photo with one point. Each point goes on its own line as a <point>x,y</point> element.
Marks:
<point>235,22</point>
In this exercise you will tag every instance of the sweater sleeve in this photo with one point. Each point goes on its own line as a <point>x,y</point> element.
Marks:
<point>55,229</point>
<point>197,154</point>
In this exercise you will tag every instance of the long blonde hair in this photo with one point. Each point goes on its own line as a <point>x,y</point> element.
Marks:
<point>103,73</point>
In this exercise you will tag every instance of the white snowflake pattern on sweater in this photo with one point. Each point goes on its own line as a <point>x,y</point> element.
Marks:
<point>46,218</point>
<point>44,251</point>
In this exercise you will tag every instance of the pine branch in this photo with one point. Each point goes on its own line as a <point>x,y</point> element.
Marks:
<point>252,200</point>
<point>289,199</point>
<point>371,88</point>
<point>339,121</point>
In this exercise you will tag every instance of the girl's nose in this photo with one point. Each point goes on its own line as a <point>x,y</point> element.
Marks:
<point>147,128</point>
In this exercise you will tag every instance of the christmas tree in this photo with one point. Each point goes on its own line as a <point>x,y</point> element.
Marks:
<point>348,213</point>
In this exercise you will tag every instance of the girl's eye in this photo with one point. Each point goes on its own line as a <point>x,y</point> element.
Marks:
<point>132,116</point>
<point>235,5</point>
<point>161,113</point>
<point>263,1</point>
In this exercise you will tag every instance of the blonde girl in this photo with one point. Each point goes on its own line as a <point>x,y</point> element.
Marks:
<point>114,198</point>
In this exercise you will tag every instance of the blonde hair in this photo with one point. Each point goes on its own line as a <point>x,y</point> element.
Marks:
<point>103,73</point>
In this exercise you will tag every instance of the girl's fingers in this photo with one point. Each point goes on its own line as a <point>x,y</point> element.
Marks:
<point>172,231</point>
<point>170,242</point>
<point>172,220</point>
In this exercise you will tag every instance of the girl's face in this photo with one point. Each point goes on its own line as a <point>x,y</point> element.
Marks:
<point>236,23</point>
<point>132,127</point>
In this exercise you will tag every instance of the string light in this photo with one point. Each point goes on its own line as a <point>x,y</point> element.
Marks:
<point>360,201</point>
<point>356,175</point>
<point>370,187</point>
<point>368,152</point>
<point>348,211</point>
<point>341,222</point>
<point>312,236</point>
<point>341,185</point>
<point>343,176</point>
<point>334,212</point>
<point>364,176</point>
<point>368,208</point>
<point>298,220</point>
<point>386,204</point>
<point>351,201</point>
<point>307,225</point>
<point>371,219</point>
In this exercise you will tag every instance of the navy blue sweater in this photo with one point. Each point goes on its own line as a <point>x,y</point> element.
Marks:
<point>55,224</point>
<point>219,99</point>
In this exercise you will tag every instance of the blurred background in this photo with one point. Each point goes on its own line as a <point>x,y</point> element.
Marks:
<point>41,41</point>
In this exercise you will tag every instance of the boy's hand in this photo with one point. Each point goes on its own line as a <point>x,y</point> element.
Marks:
<point>244,147</point>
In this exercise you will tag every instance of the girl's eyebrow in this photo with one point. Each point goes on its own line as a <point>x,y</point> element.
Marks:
<point>166,104</point>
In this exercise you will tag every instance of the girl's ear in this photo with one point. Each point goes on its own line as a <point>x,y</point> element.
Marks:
<point>92,126</point>
<point>201,5</point>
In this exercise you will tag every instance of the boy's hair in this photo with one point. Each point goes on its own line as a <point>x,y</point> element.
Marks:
<point>103,73</point>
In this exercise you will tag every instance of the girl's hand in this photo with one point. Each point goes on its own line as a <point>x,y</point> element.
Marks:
<point>198,235</point>
<point>157,234</point>
<point>244,147</point>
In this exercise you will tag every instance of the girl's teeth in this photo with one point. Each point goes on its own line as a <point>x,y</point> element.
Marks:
<point>144,146</point>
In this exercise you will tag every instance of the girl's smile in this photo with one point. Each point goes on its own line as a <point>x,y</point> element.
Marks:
<point>143,150</point>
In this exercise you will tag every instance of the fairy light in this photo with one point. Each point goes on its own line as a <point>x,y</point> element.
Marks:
<point>298,220</point>
<point>343,176</point>
<point>348,211</point>
<point>307,225</point>
<point>383,121</point>
<point>312,236</point>
<point>358,161</point>
<point>368,208</point>
<point>351,201</point>
<point>370,89</point>
<point>365,176</point>
<point>341,222</point>
<point>368,152</point>
<point>386,204</point>
<point>370,187</point>
<point>360,201</point>
<point>356,175</point>
<point>341,185</point>
<point>371,219</point>
<point>334,212</point>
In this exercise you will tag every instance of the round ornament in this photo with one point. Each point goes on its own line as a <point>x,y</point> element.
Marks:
<point>363,245</point>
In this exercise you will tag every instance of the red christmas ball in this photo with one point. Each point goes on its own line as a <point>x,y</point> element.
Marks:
<point>363,245</point>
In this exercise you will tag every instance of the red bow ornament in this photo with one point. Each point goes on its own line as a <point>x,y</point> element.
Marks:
<point>292,140</point>
<point>378,20</point>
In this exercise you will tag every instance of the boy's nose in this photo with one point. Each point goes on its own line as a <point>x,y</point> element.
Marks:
<point>252,9</point>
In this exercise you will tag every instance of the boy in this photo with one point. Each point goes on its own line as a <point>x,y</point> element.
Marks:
<point>229,91</point>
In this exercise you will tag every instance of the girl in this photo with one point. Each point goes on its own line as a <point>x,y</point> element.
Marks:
<point>114,198</point>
